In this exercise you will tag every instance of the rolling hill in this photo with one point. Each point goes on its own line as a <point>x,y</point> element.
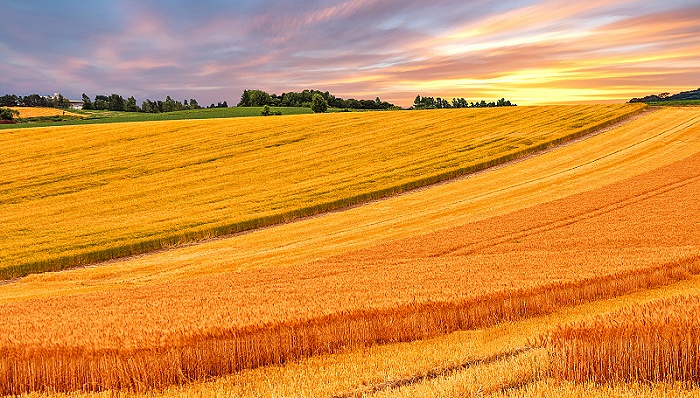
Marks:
<point>449,290</point>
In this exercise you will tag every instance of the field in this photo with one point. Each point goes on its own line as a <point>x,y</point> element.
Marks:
<point>457,289</point>
<point>25,113</point>
<point>54,117</point>
<point>77,195</point>
<point>203,113</point>
<point>656,342</point>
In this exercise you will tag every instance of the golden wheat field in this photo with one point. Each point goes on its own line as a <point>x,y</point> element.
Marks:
<point>27,112</point>
<point>497,361</point>
<point>76,195</point>
<point>657,342</point>
<point>459,289</point>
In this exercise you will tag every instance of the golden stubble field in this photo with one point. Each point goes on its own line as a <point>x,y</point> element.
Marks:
<point>542,249</point>
<point>27,112</point>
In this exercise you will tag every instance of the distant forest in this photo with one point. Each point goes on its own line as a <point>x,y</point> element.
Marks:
<point>35,100</point>
<point>441,103</point>
<point>304,98</point>
<point>666,97</point>
<point>113,102</point>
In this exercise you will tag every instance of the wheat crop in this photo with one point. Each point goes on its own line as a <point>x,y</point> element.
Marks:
<point>466,277</point>
<point>440,361</point>
<point>655,342</point>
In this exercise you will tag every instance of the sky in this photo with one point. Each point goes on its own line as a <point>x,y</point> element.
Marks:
<point>530,52</point>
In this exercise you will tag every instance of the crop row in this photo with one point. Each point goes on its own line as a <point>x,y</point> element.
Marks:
<point>215,355</point>
<point>656,342</point>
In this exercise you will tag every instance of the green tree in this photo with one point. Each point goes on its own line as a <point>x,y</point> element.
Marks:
<point>147,106</point>
<point>100,104</point>
<point>8,114</point>
<point>131,105</point>
<point>418,102</point>
<point>116,103</point>
<point>245,99</point>
<point>60,102</point>
<point>9,100</point>
<point>266,111</point>
<point>169,104</point>
<point>87,104</point>
<point>319,104</point>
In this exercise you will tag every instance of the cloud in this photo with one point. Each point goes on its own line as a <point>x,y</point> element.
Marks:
<point>531,51</point>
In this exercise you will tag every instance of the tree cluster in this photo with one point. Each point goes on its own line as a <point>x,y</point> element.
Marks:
<point>116,102</point>
<point>441,103</point>
<point>113,102</point>
<point>269,112</point>
<point>305,99</point>
<point>7,114</point>
<point>219,105</point>
<point>35,100</point>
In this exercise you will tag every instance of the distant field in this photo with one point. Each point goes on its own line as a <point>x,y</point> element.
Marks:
<point>82,194</point>
<point>30,112</point>
<point>204,113</point>
<point>101,117</point>
<point>598,219</point>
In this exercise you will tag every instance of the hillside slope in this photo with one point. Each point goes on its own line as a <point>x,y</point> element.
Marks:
<point>77,195</point>
<point>692,95</point>
<point>600,216</point>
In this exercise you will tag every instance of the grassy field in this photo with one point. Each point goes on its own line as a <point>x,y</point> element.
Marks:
<point>77,195</point>
<point>486,237</point>
<point>48,117</point>
<point>204,113</point>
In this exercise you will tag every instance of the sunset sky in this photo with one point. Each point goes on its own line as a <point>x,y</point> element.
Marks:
<point>531,52</point>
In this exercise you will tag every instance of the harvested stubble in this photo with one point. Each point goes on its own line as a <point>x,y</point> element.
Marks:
<point>29,112</point>
<point>655,342</point>
<point>466,277</point>
<point>75,195</point>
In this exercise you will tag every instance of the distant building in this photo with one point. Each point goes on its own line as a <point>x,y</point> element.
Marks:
<point>74,104</point>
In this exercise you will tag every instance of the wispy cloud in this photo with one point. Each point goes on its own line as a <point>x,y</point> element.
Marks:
<point>527,51</point>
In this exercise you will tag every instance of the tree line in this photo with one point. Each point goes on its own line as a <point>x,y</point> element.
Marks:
<point>113,102</point>
<point>305,99</point>
<point>116,102</point>
<point>35,100</point>
<point>692,95</point>
<point>441,103</point>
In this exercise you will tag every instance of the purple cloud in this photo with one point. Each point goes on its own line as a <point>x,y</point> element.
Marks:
<point>212,50</point>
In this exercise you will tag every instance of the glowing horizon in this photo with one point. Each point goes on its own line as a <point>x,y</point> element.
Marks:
<point>530,52</point>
